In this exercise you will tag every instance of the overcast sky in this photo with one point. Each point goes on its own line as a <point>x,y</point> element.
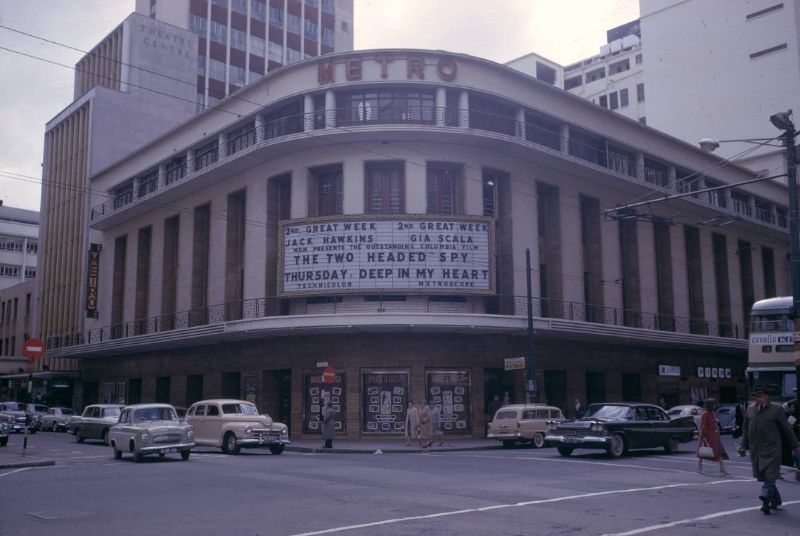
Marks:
<point>32,91</point>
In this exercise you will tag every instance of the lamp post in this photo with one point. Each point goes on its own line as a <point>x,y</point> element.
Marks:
<point>783,121</point>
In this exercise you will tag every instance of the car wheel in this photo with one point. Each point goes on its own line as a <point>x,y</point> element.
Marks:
<point>616,447</point>
<point>565,451</point>
<point>508,443</point>
<point>672,446</point>
<point>229,444</point>
<point>276,450</point>
<point>185,455</point>
<point>538,440</point>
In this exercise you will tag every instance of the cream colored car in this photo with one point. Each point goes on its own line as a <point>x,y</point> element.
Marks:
<point>523,423</point>
<point>235,424</point>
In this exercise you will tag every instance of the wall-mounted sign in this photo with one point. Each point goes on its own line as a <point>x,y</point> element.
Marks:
<point>411,254</point>
<point>451,390</point>
<point>714,372</point>
<point>669,370</point>
<point>414,67</point>
<point>385,400</point>
<point>92,279</point>
<point>318,392</point>
<point>514,363</point>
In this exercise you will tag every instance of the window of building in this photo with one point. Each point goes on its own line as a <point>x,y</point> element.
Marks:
<point>221,3</point>
<point>216,69</point>
<point>619,67</point>
<point>236,75</point>
<point>542,129</point>
<point>198,25</point>
<point>442,186</point>
<point>545,73</point>
<point>741,203</point>
<point>327,6</point>
<point>32,247</point>
<point>623,98</point>
<point>238,39</point>
<point>603,101</point>
<point>384,188</point>
<point>258,46</point>
<point>621,160</point>
<point>345,27</point>
<point>638,59</point>
<point>201,65</point>
<point>595,74</point>
<point>9,270</point>
<point>764,211</point>
<point>492,115</point>
<point>241,138</point>
<point>254,76</point>
<point>780,215</point>
<point>175,170</point>
<point>686,181</point>
<point>292,55</point>
<point>310,29</point>
<point>205,155</point>
<point>275,52</point>
<point>386,106</point>
<point>491,183</point>
<point>715,197</point>
<point>219,32</point>
<point>327,190</point>
<point>239,6</point>
<point>276,16</point>
<point>640,92</point>
<point>587,146</point>
<point>28,305</point>
<point>122,194</point>
<point>655,172</point>
<point>148,183</point>
<point>258,9</point>
<point>613,100</point>
<point>327,36</point>
<point>573,82</point>
<point>293,24</point>
<point>201,102</point>
<point>9,243</point>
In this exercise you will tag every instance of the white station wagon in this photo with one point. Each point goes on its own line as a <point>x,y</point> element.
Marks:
<point>150,429</point>
<point>235,424</point>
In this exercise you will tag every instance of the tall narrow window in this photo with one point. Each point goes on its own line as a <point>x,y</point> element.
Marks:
<point>768,268</point>
<point>326,197</point>
<point>142,280</point>
<point>664,280</point>
<point>549,242</point>
<point>118,286</point>
<point>629,258</point>
<point>384,188</point>
<point>200,260</point>
<point>745,253</point>
<point>442,186</point>
<point>234,256</point>
<point>169,290</point>
<point>279,202</point>
<point>592,258</point>
<point>694,273</point>
<point>720,251</point>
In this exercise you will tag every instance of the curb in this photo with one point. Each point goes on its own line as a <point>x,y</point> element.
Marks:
<point>31,463</point>
<point>320,450</point>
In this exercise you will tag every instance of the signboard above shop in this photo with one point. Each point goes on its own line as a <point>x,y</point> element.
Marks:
<point>409,254</point>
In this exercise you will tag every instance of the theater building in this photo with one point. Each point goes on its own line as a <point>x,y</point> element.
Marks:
<point>368,213</point>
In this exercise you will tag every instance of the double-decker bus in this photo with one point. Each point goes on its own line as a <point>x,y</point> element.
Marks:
<point>770,356</point>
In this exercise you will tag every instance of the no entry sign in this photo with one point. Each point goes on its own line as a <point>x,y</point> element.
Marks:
<point>33,349</point>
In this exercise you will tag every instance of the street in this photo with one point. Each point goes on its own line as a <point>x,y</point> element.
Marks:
<point>482,492</point>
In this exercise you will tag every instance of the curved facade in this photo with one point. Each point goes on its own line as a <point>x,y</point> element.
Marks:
<point>370,212</point>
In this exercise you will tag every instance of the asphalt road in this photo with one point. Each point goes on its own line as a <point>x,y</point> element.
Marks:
<point>495,492</point>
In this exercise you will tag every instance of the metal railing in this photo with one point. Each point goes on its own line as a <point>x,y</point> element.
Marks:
<point>503,305</point>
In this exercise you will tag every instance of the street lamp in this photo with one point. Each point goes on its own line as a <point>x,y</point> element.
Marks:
<point>783,121</point>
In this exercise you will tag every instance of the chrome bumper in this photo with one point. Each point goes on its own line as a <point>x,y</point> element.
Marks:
<point>578,441</point>
<point>251,442</point>
<point>158,449</point>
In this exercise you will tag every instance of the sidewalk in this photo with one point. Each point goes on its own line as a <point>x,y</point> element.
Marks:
<point>388,446</point>
<point>11,458</point>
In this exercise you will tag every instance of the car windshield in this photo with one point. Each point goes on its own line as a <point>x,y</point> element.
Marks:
<point>239,409</point>
<point>111,412</point>
<point>154,414</point>
<point>611,412</point>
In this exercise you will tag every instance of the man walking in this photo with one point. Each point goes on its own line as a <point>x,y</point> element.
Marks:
<point>763,430</point>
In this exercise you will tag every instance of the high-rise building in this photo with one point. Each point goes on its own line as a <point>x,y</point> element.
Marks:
<point>19,245</point>
<point>241,40</point>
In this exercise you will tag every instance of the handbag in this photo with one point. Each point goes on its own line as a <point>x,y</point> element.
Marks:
<point>706,452</point>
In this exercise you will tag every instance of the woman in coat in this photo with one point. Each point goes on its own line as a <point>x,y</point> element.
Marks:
<point>425,426</point>
<point>763,433</point>
<point>708,435</point>
<point>412,423</point>
<point>328,432</point>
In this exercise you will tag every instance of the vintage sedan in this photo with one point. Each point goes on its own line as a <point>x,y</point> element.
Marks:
<point>235,424</point>
<point>20,418</point>
<point>150,429</point>
<point>523,424</point>
<point>96,420</point>
<point>620,427</point>
<point>57,419</point>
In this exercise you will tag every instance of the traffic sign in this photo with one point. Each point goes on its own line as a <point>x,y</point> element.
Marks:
<point>33,349</point>
<point>514,363</point>
<point>329,375</point>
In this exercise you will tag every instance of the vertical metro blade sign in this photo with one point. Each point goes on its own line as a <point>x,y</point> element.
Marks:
<point>92,276</point>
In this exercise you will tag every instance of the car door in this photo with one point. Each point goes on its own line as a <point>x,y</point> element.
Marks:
<point>639,428</point>
<point>213,424</point>
<point>197,418</point>
<point>661,430</point>
<point>121,432</point>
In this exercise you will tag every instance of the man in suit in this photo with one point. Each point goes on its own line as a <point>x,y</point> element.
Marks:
<point>763,432</point>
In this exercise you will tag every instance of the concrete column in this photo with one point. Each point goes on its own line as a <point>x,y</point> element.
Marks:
<point>260,128</point>
<point>222,149</point>
<point>330,109</point>
<point>520,122</point>
<point>441,105</point>
<point>308,113</point>
<point>162,175</point>
<point>563,135</point>
<point>671,178</point>
<point>463,109</point>
<point>640,166</point>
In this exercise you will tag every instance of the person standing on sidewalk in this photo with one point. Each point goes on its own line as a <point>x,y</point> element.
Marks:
<point>328,431</point>
<point>412,423</point>
<point>763,431</point>
<point>436,424</point>
<point>708,435</point>
<point>425,428</point>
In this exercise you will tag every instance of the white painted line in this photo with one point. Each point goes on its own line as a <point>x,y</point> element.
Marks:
<point>15,471</point>
<point>513,505</point>
<point>715,515</point>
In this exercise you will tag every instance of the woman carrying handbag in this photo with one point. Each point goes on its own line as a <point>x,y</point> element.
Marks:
<point>709,446</point>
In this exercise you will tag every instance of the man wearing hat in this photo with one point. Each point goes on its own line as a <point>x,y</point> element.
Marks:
<point>763,432</point>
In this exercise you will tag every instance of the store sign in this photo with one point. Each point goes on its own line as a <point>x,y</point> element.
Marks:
<point>514,363</point>
<point>415,67</point>
<point>385,399</point>
<point>669,370</point>
<point>92,278</point>
<point>411,254</point>
<point>451,391</point>
<point>714,372</point>
<point>317,392</point>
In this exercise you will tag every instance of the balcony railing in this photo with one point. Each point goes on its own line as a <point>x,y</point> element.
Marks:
<point>277,307</point>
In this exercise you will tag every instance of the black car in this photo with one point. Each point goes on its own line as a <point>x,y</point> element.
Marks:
<point>619,427</point>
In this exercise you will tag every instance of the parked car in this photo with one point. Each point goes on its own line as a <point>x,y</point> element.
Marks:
<point>21,419</point>
<point>726,416</point>
<point>620,427</point>
<point>523,424</point>
<point>96,420</point>
<point>691,410</point>
<point>235,424</point>
<point>6,423</point>
<point>57,419</point>
<point>150,429</point>
<point>36,412</point>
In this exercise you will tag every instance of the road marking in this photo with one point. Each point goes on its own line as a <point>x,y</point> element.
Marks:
<point>512,505</point>
<point>15,471</point>
<point>671,524</point>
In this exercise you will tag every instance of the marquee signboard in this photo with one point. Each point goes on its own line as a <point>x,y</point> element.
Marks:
<point>347,254</point>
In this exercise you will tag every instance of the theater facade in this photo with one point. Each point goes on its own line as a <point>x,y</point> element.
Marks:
<point>354,228</point>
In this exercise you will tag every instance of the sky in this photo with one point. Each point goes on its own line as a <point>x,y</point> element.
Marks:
<point>33,91</point>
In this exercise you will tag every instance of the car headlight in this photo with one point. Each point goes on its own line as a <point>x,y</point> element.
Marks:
<point>552,427</point>
<point>597,427</point>
<point>145,437</point>
<point>284,432</point>
<point>248,430</point>
<point>190,434</point>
